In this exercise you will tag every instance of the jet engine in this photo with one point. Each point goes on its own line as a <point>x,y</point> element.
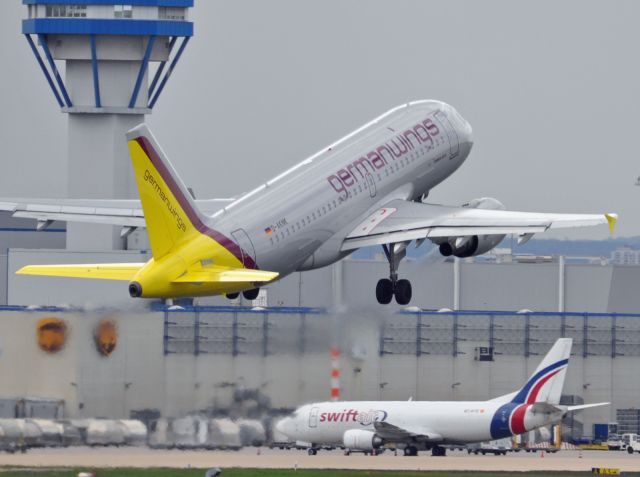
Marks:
<point>472,245</point>
<point>359,439</point>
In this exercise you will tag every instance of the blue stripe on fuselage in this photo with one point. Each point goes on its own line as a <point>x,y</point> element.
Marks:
<point>522,394</point>
<point>500,420</point>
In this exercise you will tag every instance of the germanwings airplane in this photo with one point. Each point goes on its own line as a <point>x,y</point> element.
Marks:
<point>421,425</point>
<point>368,188</point>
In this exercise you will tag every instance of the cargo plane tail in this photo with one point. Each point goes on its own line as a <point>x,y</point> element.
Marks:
<point>539,398</point>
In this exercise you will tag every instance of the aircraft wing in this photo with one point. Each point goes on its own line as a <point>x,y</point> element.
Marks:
<point>127,213</point>
<point>395,433</point>
<point>402,221</point>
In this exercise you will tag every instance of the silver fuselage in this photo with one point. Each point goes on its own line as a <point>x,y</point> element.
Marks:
<point>298,220</point>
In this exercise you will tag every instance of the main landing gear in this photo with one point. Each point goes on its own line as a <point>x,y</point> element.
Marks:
<point>411,451</point>
<point>438,451</point>
<point>247,294</point>
<point>387,288</point>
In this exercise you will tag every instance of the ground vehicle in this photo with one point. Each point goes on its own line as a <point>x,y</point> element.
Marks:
<point>496,447</point>
<point>631,442</point>
<point>614,442</point>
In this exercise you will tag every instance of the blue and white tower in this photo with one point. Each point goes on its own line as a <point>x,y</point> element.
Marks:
<point>107,49</point>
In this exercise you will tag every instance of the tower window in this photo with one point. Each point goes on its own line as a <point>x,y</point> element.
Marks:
<point>171,13</point>
<point>66,11</point>
<point>123,11</point>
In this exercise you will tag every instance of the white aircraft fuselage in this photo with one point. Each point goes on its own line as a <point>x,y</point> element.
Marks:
<point>299,220</point>
<point>368,425</point>
<point>457,422</point>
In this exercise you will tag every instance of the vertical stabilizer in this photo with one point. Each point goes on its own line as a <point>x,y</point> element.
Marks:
<point>169,210</point>
<point>545,385</point>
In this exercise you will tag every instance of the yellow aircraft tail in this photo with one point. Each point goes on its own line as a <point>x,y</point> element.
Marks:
<point>170,212</point>
<point>189,257</point>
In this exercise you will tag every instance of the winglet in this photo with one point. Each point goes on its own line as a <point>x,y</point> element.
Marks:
<point>611,220</point>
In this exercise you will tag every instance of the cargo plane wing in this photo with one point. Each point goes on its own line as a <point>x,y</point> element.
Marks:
<point>368,188</point>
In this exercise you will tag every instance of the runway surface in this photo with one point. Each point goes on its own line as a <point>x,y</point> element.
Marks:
<point>266,458</point>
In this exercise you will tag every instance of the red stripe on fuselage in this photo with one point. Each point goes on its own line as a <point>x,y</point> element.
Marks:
<point>533,394</point>
<point>517,419</point>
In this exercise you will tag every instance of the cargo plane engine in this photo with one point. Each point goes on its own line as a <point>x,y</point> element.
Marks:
<point>362,440</point>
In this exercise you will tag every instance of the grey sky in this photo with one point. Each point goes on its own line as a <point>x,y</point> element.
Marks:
<point>550,88</point>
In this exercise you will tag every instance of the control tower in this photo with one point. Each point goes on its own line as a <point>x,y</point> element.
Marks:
<point>107,49</point>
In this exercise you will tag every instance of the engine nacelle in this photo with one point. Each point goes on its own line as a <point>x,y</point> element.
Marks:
<point>359,439</point>
<point>470,246</point>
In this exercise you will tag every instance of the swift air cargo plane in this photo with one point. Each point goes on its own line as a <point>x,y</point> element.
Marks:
<point>420,425</point>
<point>368,188</point>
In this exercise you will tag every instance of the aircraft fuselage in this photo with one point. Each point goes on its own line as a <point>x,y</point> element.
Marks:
<point>298,220</point>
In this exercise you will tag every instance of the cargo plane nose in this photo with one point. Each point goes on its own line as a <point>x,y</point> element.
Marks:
<point>286,426</point>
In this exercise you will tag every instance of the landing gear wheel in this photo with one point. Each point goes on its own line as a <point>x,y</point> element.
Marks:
<point>438,451</point>
<point>403,292</point>
<point>251,294</point>
<point>630,450</point>
<point>233,296</point>
<point>384,291</point>
<point>411,451</point>
<point>312,452</point>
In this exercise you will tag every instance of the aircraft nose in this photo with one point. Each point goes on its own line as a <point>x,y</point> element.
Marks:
<point>464,131</point>
<point>467,131</point>
<point>467,136</point>
<point>463,128</point>
<point>284,426</point>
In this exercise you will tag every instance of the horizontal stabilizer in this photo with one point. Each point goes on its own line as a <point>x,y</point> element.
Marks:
<point>545,408</point>
<point>104,271</point>
<point>226,275</point>
<point>586,406</point>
